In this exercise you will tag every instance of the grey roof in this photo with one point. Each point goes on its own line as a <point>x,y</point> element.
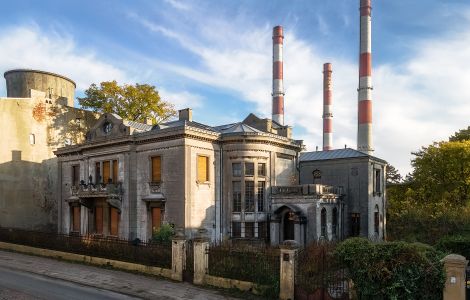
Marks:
<point>334,154</point>
<point>138,126</point>
<point>181,123</point>
<point>236,128</point>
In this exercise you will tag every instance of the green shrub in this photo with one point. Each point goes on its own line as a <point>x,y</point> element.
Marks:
<point>459,244</point>
<point>393,270</point>
<point>163,234</point>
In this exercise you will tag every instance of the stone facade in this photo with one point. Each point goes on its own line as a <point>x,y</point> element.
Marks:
<point>33,128</point>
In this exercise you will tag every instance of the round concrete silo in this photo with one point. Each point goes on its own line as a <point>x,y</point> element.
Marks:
<point>57,87</point>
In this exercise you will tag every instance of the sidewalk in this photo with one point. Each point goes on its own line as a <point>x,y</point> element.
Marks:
<point>117,281</point>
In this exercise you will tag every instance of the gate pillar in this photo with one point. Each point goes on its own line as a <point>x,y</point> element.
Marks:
<point>454,266</point>
<point>288,261</point>
<point>178,257</point>
<point>201,260</point>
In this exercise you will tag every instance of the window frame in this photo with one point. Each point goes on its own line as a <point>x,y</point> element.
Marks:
<point>207,177</point>
<point>151,168</point>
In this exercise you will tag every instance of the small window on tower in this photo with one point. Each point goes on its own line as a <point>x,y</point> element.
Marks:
<point>32,139</point>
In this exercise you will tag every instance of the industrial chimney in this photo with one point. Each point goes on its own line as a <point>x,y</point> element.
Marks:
<point>278,86</point>
<point>364,132</point>
<point>327,112</point>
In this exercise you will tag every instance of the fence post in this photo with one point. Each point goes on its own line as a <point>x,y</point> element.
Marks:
<point>288,260</point>
<point>178,256</point>
<point>455,266</point>
<point>201,259</point>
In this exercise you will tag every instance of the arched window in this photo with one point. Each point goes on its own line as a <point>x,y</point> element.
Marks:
<point>376,219</point>
<point>334,222</point>
<point>323,224</point>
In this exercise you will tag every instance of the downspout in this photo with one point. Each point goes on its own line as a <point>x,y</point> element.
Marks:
<point>221,189</point>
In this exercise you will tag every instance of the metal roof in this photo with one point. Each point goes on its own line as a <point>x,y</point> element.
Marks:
<point>334,154</point>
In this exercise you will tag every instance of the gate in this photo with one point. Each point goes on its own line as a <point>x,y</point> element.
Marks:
<point>188,268</point>
<point>319,276</point>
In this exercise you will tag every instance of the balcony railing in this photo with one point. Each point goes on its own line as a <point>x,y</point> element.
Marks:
<point>306,189</point>
<point>110,190</point>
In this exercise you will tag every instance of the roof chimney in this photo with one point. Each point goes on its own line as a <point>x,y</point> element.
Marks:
<point>278,86</point>
<point>364,131</point>
<point>186,114</point>
<point>327,112</point>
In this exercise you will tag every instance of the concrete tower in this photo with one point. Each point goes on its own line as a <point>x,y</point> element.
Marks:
<point>327,112</point>
<point>364,132</point>
<point>278,86</point>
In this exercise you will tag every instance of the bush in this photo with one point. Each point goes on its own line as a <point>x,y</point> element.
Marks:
<point>393,270</point>
<point>163,234</point>
<point>459,244</point>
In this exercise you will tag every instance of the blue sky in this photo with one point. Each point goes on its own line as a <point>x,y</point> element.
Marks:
<point>215,56</point>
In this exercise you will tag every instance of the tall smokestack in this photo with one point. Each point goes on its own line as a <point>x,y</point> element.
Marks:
<point>327,112</point>
<point>278,85</point>
<point>364,132</point>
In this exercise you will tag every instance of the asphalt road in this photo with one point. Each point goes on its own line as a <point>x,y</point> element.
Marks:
<point>21,285</point>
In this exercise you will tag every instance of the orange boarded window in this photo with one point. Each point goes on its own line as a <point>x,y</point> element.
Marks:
<point>114,224</point>
<point>156,218</point>
<point>76,218</point>
<point>156,169</point>
<point>99,220</point>
<point>202,168</point>
<point>106,171</point>
<point>115,171</point>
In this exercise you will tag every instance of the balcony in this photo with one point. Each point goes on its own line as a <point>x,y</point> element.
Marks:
<point>306,189</point>
<point>100,190</point>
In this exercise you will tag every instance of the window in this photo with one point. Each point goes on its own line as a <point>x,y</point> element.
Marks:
<point>376,219</point>
<point>156,218</point>
<point>114,221</point>
<point>355,224</point>
<point>334,223</point>
<point>99,220</point>
<point>237,196</point>
<point>262,230</point>
<point>249,169</point>
<point>97,173</point>
<point>76,218</point>
<point>236,229</point>
<point>249,196</point>
<point>75,175</point>
<point>249,229</point>
<point>32,139</point>
<point>261,169</point>
<point>202,168</point>
<point>377,181</point>
<point>236,169</point>
<point>156,169</point>
<point>115,171</point>
<point>106,171</point>
<point>323,223</point>
<point>260,195</point>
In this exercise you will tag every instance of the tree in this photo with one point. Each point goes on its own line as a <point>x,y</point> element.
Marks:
<point>393,177</point>
<point>442,172</point>
<point>461,135</point>
<point>137,102</point>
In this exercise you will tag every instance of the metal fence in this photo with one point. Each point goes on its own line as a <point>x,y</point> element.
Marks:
<point>259,265</point>
<point>319,275</point>
<point>150,254</point>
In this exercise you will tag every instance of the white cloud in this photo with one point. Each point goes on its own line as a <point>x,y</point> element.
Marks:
<point>181,99</point>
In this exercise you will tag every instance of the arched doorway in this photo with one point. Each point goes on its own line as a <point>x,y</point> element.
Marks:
<point>288,226</point>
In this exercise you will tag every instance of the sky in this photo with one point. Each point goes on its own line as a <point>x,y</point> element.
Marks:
<point>216,57</point>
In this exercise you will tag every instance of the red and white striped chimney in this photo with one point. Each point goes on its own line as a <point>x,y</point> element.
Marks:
<point>278,85</point>
<point>364,132</point>
<point>327,112</point>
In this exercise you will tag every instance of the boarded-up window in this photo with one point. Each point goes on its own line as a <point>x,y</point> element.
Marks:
<point>156,218</point>
<point>75,175</point>
<point>106,171</point>
<point>114,221</point>
<point>156,169</point>
<point>236,229</point>
<point>115,171</point>
<point>76,218</point>
<point>99,220</point>
<point>202,168</point>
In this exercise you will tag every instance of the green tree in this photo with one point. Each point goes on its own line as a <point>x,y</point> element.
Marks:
<point>461,135</point>
<point>442,172</point>
<point>393,177</point>
<point>137,102</point>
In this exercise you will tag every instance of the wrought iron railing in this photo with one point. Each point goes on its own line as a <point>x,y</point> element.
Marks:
<point>307,189</point>
<point>99,189</point>
<point>150,254</point>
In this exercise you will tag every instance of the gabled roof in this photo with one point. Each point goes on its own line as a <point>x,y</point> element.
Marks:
<point>334,154</point>
<point>236,128</point>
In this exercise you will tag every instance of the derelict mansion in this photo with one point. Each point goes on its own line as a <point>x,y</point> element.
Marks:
<point>245,180</point>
